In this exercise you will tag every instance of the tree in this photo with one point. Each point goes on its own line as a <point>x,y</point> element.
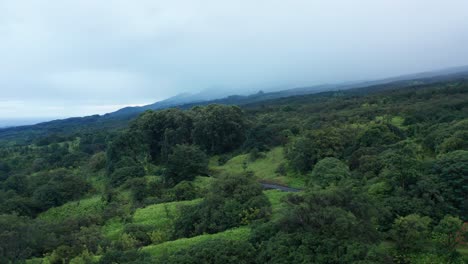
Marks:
<point>138,189</point>
<point>62,186</point>
<point>121,175</point>
<point>128,257</point>
<point>333,225</point>
<point>214,251</point>
<point>185,162</point>
<point>162,130</point>
<point>411,233</point>
<point>448,234</point>
<point>218,128</point>
<point>231,201</point>
<point>304,151</point>
<point>452,170</point>
<point>329,171</point>
<point>378,135</point>
<point>300,154</point>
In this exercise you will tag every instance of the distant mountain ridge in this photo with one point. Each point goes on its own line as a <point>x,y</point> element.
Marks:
<point>120,118</point>
<point>205,96</point>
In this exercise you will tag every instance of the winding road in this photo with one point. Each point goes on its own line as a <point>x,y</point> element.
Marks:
<point>270,186</point>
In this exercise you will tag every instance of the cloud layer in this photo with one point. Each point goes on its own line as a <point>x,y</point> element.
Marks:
<point>98,55</point>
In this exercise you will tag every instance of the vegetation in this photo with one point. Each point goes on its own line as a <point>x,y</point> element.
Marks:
<point>382,173</point>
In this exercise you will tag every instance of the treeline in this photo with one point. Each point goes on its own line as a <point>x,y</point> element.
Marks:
<point>385,181</point>
<point>179,140</point>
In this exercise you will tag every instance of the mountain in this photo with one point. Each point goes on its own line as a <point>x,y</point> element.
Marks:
<point>180,99</point>
<point>218,95</point>
<point>120,118</point>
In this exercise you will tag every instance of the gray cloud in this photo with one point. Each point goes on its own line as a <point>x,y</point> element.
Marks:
<point>86,55</point>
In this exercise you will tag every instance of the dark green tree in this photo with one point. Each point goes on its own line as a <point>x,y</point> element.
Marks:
<point>452,170</point>
<point>218,128</point>
<point>184,163</point>
<point>329,171</point>
<point>213,252</point>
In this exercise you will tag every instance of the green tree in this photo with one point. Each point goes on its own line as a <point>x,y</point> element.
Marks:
<point>449,234</point>
<point>411,233</point>
<point>452,170</point>
<point>300,154</point>
<point>378,135</point>
<point>333,225</point>
<point>329,171</point>
<point>214,252</point>
<point>121,175</point>
<point>218,128</point>
<point>304,151</point>
<point>231,201</point>
<point>185,162</point>
<point>162,130</point>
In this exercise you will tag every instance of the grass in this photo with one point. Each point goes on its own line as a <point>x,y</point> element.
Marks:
<point>159,215</point>
<point>85,207</point>
<point>394,120</point>
<point>264,168</point>
<point>113,228</point>
<point>98,181</point>
<point>202,183</point>
<point>241,233</point>
<point>275,198</point>
<point>463,250</point>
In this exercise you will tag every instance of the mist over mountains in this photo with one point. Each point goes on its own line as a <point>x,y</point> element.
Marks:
<point>228,96</point>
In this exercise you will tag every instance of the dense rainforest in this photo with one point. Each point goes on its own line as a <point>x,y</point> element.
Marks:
<point>379,176</point>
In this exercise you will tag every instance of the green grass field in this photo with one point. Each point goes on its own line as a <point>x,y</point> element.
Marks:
<point>202,183</point>
<point>275,198</point>
<point>264,168</point>
<point>157,216</point>
<point>241,233</point>
<point>85,207</point>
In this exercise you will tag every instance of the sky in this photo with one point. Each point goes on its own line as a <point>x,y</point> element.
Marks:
<point>62,58</point>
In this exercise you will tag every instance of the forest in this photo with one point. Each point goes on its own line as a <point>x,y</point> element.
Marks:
<point>381,176</point>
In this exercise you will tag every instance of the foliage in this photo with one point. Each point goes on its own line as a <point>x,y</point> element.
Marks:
<point>231,201</point>
<point>214,251</point>
<point>386,168</point>
<point>218,129</point>
<point>452,170</point>
<point>327,226</point>
<point>184,163</point>
<point>329,171</point>
<point>411,233</point>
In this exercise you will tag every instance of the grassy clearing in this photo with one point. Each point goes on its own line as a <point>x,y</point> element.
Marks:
<point>394,120</point>
<point>159,215</point>
<point>85,207</point>
<point>113,228</point>
<point>264,168</point>
<point>275,197</point>
<point>98,181</point>
<point>241,233</point>
<point>202,183</point>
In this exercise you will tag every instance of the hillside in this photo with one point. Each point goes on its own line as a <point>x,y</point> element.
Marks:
<point>382,172</point>
<point>120,119</point>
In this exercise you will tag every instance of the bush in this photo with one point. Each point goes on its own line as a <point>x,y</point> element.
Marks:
<point>230,202</point>
<point>127,257</point>
<point>214,251</point>
<point>121,175</point>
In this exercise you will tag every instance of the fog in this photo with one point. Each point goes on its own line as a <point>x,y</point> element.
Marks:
<point>74,58</point>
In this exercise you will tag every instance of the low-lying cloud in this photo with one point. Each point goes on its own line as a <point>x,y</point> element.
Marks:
<point>86,55</point>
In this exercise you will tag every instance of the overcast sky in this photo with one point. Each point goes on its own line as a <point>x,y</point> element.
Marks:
<point>71,58</point>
